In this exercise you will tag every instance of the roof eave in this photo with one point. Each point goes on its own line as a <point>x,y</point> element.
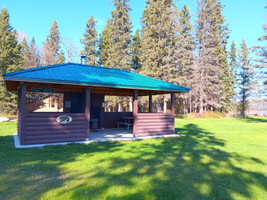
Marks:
<point>183,89</point>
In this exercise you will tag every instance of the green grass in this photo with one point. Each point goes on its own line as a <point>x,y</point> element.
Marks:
<point>213,159</point>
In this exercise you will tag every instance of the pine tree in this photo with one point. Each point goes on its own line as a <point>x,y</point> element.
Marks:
<point>90,42</point>
<point>245,76</point>
<point>30,55</point>
<point>121,36</point>
<point>157,31</point>
<point>231,106</point>
<point>136,51</point>
<point>52,54</point>
<point>261,53</point>
<point>233,66</point>
<point>212,68</point>
<point>185,47</point>
<point>105,43</point>
<point>10,60</point>
<point>159,25</point>
<point>35,56</point>
<point>233,59</point>
<point>26,54</point>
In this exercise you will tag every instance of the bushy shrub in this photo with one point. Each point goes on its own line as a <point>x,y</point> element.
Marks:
<point>207,114</point>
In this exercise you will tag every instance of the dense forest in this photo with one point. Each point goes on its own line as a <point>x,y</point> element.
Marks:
<point>169,47</point>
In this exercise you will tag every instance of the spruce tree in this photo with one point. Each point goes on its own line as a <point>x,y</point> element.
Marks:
<point>35,56</point>
<point>233,59</point>
<point>121,36</point>
<point>156,34</point>
<point>90,42</point>
<point>30,54</point>
<point>51,53</point>
<point>185,47</point>
<point>261,59</point>
<point>105,44</point>
<point>212,68</point>
<point>233,68</point>
<point>136,51</point>
<point>26,54</point>
<point>159,25</point>
<point>10,60</point>
<point>245,76</point>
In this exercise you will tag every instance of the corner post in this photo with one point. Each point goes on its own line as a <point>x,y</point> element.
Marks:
<point>173,110</point>
<point>150,103</point>
<point>87,111</point>
<point>135,112</point>
<point>22,112</point>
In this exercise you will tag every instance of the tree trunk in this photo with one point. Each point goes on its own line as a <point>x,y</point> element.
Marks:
<point>243,108</point>
<point>164,104</point>
<point>201,104</point>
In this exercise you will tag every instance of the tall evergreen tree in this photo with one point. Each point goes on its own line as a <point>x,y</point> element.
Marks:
<point>121,36</point>
<point>51,53</point>
<point>30,54</point>
<point>136,51</point>
<point>227,81</point>
<point>90,42</point>
<point>105,43</point>
<point>245,76</point>
<point>10,60</point>
<point>233,67</point>
<point>26,54</point>
<point>261,53</point>
<point>185,47</point>
<point>233,59</point>
<point>212,68</point>
<point>35,56</point>
<point>158,42</point>
<point>156,34</point>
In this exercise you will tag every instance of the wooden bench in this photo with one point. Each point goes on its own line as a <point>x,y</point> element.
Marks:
<point>127,125</point>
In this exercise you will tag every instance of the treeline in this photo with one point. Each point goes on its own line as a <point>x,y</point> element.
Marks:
<point>169,47</point>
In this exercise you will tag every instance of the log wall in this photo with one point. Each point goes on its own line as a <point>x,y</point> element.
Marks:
<point>150,124</point>
<point>43,128</point>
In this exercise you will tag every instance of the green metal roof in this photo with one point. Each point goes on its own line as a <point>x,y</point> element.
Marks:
<point>71,73</point>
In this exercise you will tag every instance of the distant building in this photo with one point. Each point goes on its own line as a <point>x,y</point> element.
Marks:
<point>48,103</point>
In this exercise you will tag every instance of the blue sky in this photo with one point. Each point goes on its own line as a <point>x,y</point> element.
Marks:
<point>34,17</point>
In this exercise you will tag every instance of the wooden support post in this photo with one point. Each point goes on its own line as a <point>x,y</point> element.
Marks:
<point>173,109</point>
<point>150,103</point>
<point>135,112</point>
<point>87,110</point>
<point>22,110</point>
<point>18,113</point>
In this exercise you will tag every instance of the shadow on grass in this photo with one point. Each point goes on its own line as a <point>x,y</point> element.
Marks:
<point>254,119</point>
<point>190,167</point>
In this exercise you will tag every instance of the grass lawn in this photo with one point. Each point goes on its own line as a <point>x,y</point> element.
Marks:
<point>213,159</point>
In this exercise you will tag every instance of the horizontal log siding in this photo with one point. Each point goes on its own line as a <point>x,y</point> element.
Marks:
<point>43,128</point>
<point>150,124</point>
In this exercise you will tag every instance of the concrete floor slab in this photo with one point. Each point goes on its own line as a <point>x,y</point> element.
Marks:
<point>98,136</point>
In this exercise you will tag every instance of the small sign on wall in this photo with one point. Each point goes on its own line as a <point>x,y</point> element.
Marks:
<point>67,104</point>
<point>42,89</point>
<point>64,119</point>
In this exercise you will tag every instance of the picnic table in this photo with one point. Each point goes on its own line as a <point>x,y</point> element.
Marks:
<point>128,121</point>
